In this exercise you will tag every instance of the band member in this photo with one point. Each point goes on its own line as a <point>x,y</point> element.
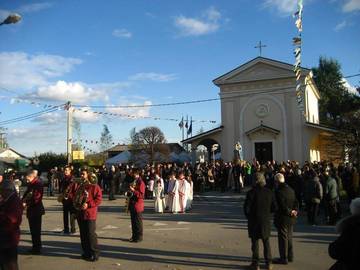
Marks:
<point>10,219</point>
<point>68,208</point>
<point>136,207</point>
<point>32,201</point>
<point>86,199</point>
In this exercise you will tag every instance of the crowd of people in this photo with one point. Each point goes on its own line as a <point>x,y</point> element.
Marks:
<point>284,189</point>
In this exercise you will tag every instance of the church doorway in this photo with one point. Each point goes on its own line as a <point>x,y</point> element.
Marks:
<point>264,151</point>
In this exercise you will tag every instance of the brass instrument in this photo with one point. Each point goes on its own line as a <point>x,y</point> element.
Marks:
<point>65,194</point>
<point>81,197</point>
<point>27,199</point>
<point>128,195</point>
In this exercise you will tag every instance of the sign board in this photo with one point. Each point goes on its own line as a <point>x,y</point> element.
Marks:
<point>78,155</point>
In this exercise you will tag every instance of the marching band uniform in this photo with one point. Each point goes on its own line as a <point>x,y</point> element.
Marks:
<point>10,219</point>
<point>136,207</point>
<point>68,208</point>
<point>87,219</point>
<point>34,211</point>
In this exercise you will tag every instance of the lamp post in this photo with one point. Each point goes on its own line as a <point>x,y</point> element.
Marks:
<point>12,18</point>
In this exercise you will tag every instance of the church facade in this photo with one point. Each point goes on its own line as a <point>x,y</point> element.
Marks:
<point>259,111</point>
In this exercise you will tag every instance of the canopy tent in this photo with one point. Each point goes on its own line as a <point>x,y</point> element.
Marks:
<point>184,157</point>
<point>123,157</point>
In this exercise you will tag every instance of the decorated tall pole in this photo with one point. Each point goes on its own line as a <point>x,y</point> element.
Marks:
<point>297,41</point>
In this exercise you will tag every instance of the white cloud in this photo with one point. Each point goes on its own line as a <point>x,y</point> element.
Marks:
<point>284,7</point>
<point>208,23</point>
<point>34,7</point>
<point>52,118</point>
<point>19,70</point>
<point>85,114</point>
<point>152,76</point>
<point>351,5</point>
<point>122,33</point>
<point>351,89</point>
<point>340,26</point>
<point>75,92</point>
<point>136,112</point>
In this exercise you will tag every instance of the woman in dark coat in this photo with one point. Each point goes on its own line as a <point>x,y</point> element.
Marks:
<point>346,248</point>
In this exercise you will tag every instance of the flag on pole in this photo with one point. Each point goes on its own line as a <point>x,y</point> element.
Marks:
<point>181,124</point>
<point>190,127</point>
<point>186,123</point>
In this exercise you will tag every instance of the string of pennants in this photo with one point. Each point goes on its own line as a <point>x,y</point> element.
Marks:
<point>34,103</point>
<point>86,110</point>
<point>88,142</point>
<point>297,41</point>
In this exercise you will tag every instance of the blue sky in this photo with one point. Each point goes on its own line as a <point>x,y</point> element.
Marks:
<point>149,52</point>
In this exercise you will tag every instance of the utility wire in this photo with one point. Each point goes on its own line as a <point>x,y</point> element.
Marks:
<point>28,116</point>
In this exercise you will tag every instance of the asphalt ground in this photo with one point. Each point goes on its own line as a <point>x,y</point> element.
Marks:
<point>212,236</point>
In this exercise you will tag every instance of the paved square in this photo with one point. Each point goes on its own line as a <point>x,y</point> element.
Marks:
<point>212,236</point>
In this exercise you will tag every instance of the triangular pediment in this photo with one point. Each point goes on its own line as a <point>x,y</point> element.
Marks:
<point>257,69</point>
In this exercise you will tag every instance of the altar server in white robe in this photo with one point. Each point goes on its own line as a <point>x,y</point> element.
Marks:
<point>183,191</point>
<point>174,204</point>
<point>158,197</point>
<point>189,195</point>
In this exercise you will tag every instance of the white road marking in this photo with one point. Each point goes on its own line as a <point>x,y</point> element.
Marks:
<point>57,230</point>
<point>183,222</point>
<point>169,229</point>
<point>109,227</point>
<point>159,224</point>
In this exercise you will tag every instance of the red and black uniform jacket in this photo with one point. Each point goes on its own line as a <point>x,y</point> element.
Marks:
<point>10,219</point>
<point>65,183</point>
<point>93,200</point>
<point>34,204</point>
<point>138,199</point>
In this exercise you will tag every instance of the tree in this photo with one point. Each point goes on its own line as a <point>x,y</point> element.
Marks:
<point>149,139</point>
<point>106,139</point>
<point>335,98</point>
<point>338,107</point>
<point>49,160</point>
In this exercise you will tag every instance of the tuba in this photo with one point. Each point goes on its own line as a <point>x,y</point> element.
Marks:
<point>128,195</point>
<point>81,196</point>
<point>65,194</point>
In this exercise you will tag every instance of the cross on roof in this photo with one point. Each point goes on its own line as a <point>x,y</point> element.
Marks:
<point>260,46</point>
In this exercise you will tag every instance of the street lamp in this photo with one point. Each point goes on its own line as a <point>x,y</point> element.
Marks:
<point>12,18</point>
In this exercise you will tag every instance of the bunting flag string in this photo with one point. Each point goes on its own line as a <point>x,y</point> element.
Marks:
<point>297,41</point>
<point>129,116</point>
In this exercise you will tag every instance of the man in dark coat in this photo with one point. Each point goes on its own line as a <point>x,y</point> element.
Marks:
<point>136,207</point>
<point>32,201</point>
<point>10,219</point>
<point>258,206</point>
<point>345,249</point>
<point>285,218</point>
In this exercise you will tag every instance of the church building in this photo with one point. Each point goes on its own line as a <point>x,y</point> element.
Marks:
<point>259,111</point>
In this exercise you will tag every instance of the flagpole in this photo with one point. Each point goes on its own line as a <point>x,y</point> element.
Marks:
<point>182,129</point>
